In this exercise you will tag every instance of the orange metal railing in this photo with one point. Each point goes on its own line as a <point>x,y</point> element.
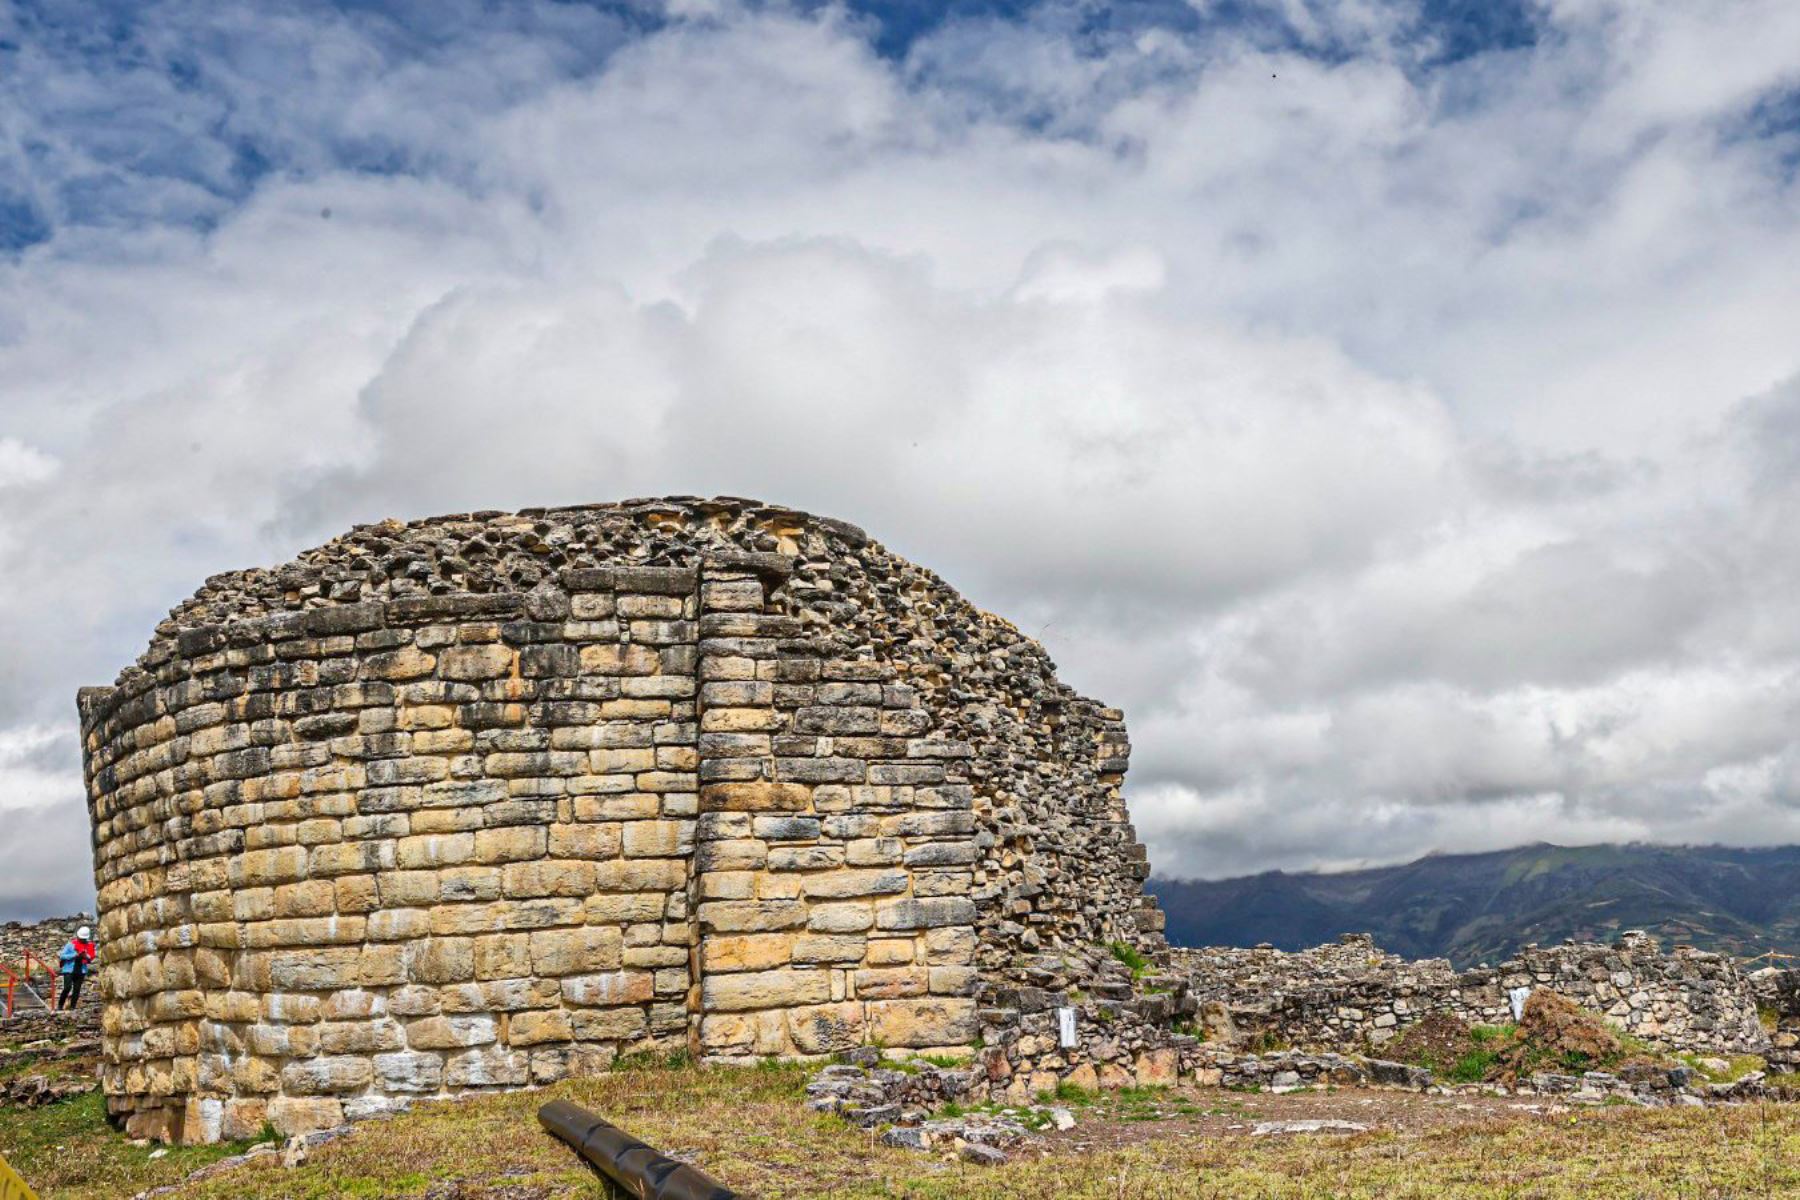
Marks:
<point>18,975</point>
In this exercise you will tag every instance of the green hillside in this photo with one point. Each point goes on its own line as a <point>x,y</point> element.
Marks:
<point>1480,907</point>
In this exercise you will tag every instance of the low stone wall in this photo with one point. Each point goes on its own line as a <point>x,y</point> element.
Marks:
<point>1777,992</point>
<point>1349,995</point>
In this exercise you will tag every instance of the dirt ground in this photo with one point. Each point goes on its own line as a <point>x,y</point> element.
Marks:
<point>1208,1114</point>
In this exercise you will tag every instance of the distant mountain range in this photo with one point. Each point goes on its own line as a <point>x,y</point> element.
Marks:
<point>1473,908</point>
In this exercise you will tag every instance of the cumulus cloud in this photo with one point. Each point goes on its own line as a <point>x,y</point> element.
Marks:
<point>1396,418</point>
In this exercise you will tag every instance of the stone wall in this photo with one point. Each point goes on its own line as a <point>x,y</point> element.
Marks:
<point>1351,996</point>
<point>484,800</point>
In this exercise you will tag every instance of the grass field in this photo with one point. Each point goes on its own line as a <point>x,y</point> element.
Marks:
<point>750,1130</point>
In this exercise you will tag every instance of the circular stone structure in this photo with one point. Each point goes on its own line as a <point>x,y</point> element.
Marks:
<point>480,801</point>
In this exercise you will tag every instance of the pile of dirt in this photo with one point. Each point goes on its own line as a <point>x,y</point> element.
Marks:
<point>1555,1035</point>
<point>1437,1041</point>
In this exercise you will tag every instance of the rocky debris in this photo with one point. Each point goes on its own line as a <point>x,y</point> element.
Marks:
<point>981,1156</point>
<point>218,1167</point>
<point>1269,1128</point>
<point>872,1096</point>
<point>1777,991</point>
<point>35,1091</point>
<point>298,1149</point>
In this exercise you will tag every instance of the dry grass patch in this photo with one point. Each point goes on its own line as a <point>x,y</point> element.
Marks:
<point>750,1129</point>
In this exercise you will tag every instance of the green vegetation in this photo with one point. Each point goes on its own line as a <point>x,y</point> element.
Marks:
<point>1128,955</point>
<point>1736,1066</point>
<point>69,1150</point>
<point>750,1129</point>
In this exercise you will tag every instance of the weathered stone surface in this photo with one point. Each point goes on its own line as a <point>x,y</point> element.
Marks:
<point>469,802</point>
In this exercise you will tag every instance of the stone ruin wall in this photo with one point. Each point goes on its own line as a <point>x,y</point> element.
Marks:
<point>482,801</point>
<point>1259,1017</point>
<point>1778,1000</point>
<point>1352,997</point>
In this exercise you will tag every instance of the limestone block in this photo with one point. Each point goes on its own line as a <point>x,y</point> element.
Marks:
<point>610,1024</point>
<point>764,990</point>
<point>322,969</point>
<point>840,918</point>
<point>502,956</point>
<point>410,1072</point>
<point>888,983</point>
<point>451,920</point>
<point>434,850</point>
<point>515,843</point>
<point>242,1119</point>
<point>292,1116</point>
<point>806,858</point>
<point>326,1076</point>
<point>620,908</point>
<point>360,1037</point>
<point>536,1028</point>
<point>924,914</point>
<point>759,796</point>
<point>842,884</point>
<point>513,995</point>
<point>829,948</point>
<point>474,663</point>
<point>397,924</point>
<point>452,1032</point>
<point>492,1066</point>
<point>468,884</point>
<point>355,894</point>
<point>924,1022</point>
<point>826,1028</point>
<point>441,960</point>
<point>874,852</point>
<point>641,875</point>
<point>751,916</point>
<point>1157,1068</point>
<point>658,839</point>
<point>887,952</point>
<point>553,877</point>
<point>586,841</point>
<point>737,854</point>
<point>746,952</point>
<point>608,989</point>
<point>581,951</point>
<point>743,1034</point>
<point>626,806</point>
<point>954,981</point>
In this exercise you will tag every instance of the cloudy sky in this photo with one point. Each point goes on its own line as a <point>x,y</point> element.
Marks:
<point>1394,405</point>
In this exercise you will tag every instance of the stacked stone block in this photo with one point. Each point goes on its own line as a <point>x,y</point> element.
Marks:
<point>478,810</point>
<point>381,851</point>
<point>836,846</point>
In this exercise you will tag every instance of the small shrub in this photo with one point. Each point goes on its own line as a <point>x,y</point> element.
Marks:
<point>1070,1093</point>
<point>1129,955</point>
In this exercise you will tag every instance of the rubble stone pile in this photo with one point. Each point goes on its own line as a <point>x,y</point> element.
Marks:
<point>483,800</point>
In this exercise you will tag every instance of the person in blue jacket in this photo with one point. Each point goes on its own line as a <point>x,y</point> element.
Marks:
<point>74,957</point>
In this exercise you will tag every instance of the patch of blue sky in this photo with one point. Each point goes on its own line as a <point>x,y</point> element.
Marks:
<point>175,111</point>
<point>1773,120</point>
